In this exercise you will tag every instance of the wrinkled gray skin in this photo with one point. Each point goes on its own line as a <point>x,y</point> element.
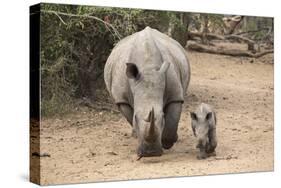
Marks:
<point>147,75</point>
<point>203,122</point>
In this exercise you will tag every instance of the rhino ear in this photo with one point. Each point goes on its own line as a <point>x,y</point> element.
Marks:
<point>132,71</point>
<point>164,67</point>
<point>193,116</point>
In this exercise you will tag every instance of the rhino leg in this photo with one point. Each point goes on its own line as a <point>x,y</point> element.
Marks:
<point>127,111</point>
<point>172,117</point>
<point>213,141</point>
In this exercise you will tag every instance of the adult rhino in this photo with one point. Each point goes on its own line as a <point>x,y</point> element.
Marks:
<point>147,75</point>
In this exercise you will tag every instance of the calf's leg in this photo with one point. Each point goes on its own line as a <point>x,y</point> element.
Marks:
<point>212,141</point>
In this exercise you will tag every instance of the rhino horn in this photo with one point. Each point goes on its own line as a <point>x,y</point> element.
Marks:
<point>150,133</point>
<point>152,124</point>
<point>148,118</point>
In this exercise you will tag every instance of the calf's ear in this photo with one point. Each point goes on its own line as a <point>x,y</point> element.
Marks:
<point>209,116</point>
<point>193,116</point>
<point>132,71</point>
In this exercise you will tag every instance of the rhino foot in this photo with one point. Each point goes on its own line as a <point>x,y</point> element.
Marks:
<point>168,143</point>
<point>210,148</point>
<point>202,155</point>
<point>213,154</point>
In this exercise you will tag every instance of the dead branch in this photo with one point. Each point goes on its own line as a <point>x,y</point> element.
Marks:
<point>231,23</point>
<point>253,31</point>
<point>107,25</point>
<point>209,36</point>
<point>239,39</point>
<point>214,50</point>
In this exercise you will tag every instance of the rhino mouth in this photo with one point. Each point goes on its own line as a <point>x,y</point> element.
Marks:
<point>151,154</point>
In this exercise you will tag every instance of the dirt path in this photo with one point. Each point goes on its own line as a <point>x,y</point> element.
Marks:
<point>96,146</point>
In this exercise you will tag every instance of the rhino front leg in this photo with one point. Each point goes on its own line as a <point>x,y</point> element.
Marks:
<point>172,117</point>
<point>213,141</point>
<point>127,111</point>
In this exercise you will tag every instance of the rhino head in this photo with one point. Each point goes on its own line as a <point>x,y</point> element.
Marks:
<point>148,89</point>
<point>201,126</point>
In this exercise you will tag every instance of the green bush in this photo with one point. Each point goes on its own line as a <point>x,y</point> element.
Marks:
<point>75,44</point>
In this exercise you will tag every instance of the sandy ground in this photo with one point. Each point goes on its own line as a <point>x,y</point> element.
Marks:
<point>90,145</point>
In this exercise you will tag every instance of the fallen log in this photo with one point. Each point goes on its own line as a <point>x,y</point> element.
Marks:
<point>233,52</point>
<point>211,36</point>
<point>253,31</point>
<point>251,43</point>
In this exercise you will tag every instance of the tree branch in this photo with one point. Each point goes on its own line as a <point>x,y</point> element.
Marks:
<point>253,31</point>
<point>107,25</point>
<point>60,18</point>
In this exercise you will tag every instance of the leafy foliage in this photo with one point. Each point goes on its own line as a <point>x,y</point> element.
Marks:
<point>76,41</point>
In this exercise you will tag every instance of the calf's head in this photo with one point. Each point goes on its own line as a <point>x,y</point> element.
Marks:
<point>148,89</point>
<point>200,126</point>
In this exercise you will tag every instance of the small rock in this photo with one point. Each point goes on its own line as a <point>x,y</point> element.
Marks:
<point>108,163</point>
<point>228,157</point>
<point>112,153</point>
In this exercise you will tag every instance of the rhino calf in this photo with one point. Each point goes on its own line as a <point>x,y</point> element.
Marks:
<point>203,122</point>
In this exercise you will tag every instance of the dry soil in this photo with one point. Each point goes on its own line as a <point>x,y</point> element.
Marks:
<point>92,145</point>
